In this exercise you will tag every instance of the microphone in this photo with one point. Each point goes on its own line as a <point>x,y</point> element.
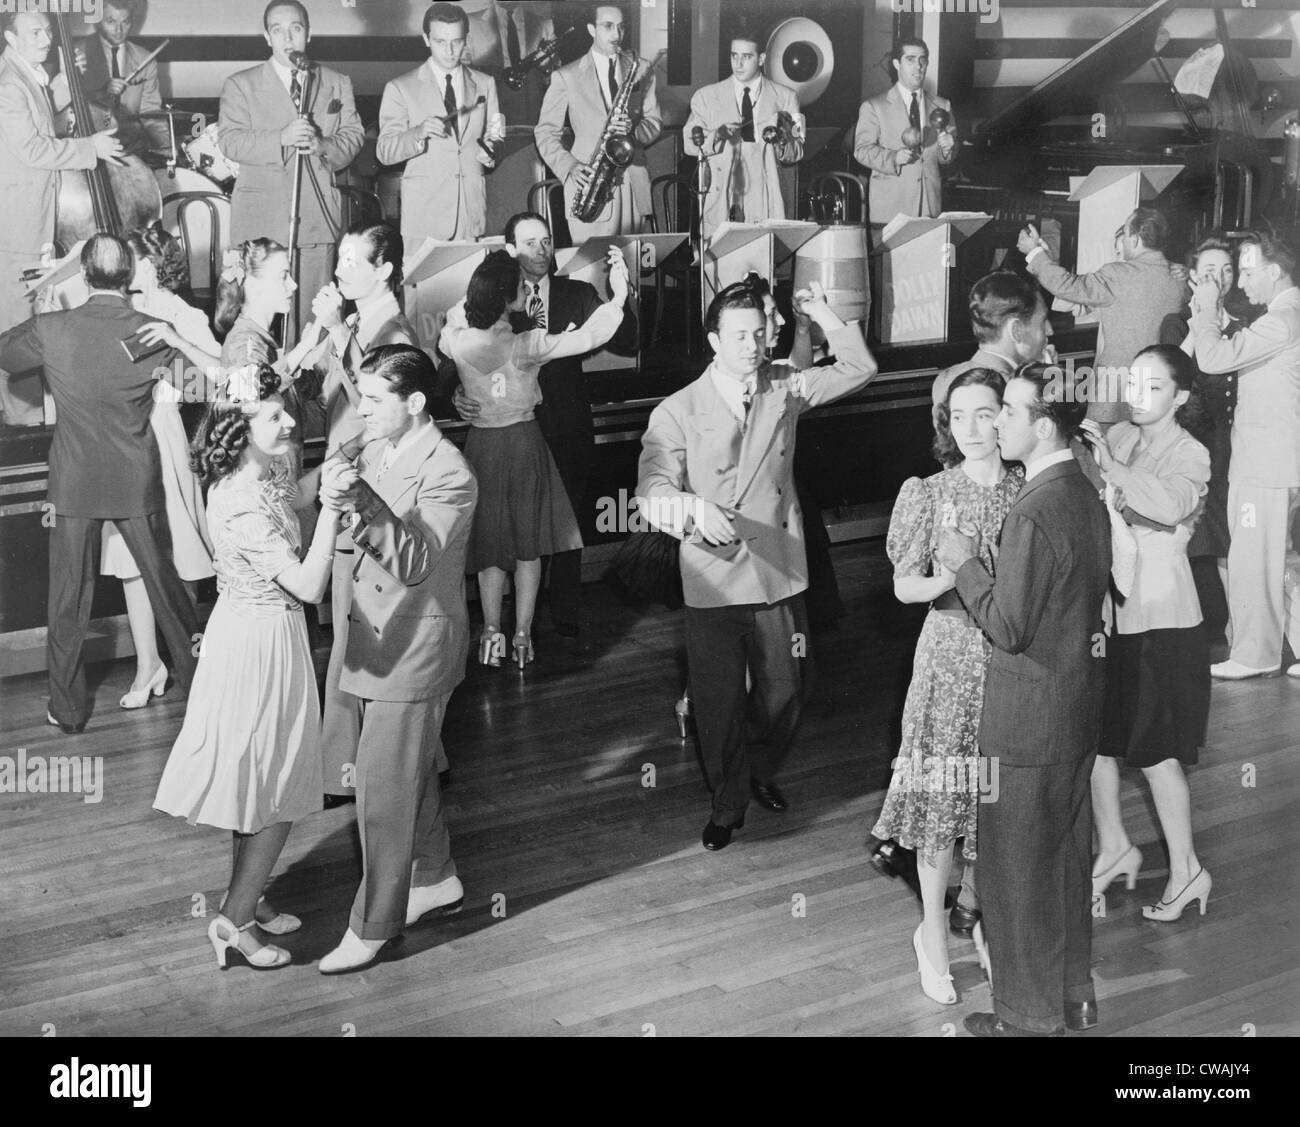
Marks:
<point>706,173</point>
<point>299,61</point>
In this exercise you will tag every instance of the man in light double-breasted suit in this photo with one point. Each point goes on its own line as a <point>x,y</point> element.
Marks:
<point>443,193</point>
<point>264,129</point>
<point>1041,720</point>
<point>744,177</point>
<point>584,92</point>
<point>901,181</point>
<point>407,641</point>
<point>31,159</point>
<point>717,471</point>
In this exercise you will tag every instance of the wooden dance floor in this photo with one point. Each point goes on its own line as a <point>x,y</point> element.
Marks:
<point>591,908</point>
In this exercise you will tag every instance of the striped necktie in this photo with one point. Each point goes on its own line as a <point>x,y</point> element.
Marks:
<point>537,307</point>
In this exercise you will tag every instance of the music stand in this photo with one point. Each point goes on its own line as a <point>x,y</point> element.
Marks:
<point>738,248</point>
<point>435,277</point>
<point>916,259</point>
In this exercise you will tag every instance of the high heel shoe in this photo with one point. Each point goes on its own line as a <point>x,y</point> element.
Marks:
<point>280,923</point>
<point>1128,866</point>
<point>982,951</point>
<point>682,710</point>
<point>1166,911</point>
<point>266,957</point>
<point>523,647</point>
<point>491,647</point>
<point>936,986</point>
<point>138,698</point>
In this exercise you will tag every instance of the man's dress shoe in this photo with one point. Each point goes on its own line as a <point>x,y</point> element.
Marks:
<point>446,897</point>
<point>352,954</point>
<point>990,1025</point>
<point>767,796</point>
<point>717,837</point>
<point>333,801</point>
<point>66,729</point>
<point>1080,1015</point>
<point>962,920</point>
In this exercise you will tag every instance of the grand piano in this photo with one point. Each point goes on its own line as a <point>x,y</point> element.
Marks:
<point>1017,165</point>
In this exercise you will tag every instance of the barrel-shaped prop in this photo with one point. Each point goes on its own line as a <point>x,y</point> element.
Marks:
<point>837,258</point>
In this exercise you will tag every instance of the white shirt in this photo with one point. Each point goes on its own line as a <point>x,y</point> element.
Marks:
<point>906,95</point>
<point>109,51</point>
<point>393,451</point>
<point>1038,465</point>
<point>284,74</point>
<point>543,291</point>
<point>457,81</point>
<point>732,390</point>
<point>601,66</point>
<point>755,87</point>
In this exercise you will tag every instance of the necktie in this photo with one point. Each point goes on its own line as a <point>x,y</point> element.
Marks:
<point>747,398</point>
<point>914,114</point>
<point>117,70</point>
<point>295,91</point>
<point>746,117</point>
<point>449,101</point>
<point>512,39</point>
<point>536,307</point>
<point>613,82</point>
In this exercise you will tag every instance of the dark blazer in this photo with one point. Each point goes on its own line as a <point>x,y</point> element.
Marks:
<point>1042,699</point>
<point>143,96</point>
<point>566,402</point>
<point>103,460</point>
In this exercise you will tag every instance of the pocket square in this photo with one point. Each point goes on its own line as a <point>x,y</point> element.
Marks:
<point>334,107</point>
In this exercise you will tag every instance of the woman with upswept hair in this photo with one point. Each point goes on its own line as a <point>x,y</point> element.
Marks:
<point>247,758</point>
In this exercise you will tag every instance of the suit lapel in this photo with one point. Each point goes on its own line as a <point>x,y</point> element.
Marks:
<point>1053,473</point>
<point>766,414</point>
<point>404,471</point>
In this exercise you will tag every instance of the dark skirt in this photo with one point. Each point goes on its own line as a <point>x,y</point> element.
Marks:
<point>1157,696</point>
<point>523,512</point>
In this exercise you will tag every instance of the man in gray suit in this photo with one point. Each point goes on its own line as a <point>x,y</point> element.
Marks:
<point>1042,715</point>
<point>905,178</point>
<point>717,472</point>
<point>270,115</point>
<point>413,496</point>
<point>1131,297</point>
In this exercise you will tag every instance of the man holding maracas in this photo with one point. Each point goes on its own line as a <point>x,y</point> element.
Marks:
<point>903,154</point>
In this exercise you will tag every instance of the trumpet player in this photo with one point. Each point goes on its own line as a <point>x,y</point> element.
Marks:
<point>587,93</point>
<point>904,136</point>
<point>758,122</point>
<point>441,119</point>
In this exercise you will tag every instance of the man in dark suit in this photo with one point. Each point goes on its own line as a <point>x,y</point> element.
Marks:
<point>104,465</point>
<point>1042,715</point>
<point>716,471</point>
<point>111,58</point>
<point>564,414</point>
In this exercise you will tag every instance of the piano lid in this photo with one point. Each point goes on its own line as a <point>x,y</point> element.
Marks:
<point>1076,84</point>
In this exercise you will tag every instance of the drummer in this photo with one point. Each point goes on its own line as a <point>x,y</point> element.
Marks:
<point>111,59</point>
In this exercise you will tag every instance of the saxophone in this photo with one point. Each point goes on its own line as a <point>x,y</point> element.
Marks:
<point>614,152</point>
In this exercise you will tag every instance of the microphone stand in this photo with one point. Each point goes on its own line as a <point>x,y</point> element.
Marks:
<point>703,182</point>
<point>295,205</point>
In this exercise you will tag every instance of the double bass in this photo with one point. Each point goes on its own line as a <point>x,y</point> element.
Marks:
<point>111,197</point>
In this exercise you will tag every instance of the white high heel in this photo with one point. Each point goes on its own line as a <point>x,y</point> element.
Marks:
<point>138,698</point>
<point>280,923</point>
<point>1166,911</point>
<point>1128,866</point>
<point>266,957</point>
<point>935,985</point>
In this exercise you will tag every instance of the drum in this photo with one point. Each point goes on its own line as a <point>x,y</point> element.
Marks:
<point>179,205</point>
<point>837,258</point>
<point>206,157</point>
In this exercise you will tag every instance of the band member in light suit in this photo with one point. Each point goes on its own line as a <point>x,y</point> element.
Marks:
<point>434,118</point>
<point>904,178</point>
<point>716,471</point>
<point>264,127</point>
<point>111,58</point>
<point>408,638</point>
<point>584,92</point>
<point>31,157</point>
<point>733,114</point>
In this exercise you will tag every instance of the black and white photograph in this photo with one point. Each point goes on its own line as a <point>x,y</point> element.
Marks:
<point>662,519</point>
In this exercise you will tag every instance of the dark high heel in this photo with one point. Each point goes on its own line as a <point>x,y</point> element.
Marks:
<point>682,710</point>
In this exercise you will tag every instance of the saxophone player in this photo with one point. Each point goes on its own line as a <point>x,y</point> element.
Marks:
<point>586,92</point>
<point>738,116</point>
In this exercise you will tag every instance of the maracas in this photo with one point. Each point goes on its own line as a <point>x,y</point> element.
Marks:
<point>912,139</point>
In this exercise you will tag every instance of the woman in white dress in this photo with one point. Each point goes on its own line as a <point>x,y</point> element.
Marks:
<point>160,271</point>
<point>248,755</point>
